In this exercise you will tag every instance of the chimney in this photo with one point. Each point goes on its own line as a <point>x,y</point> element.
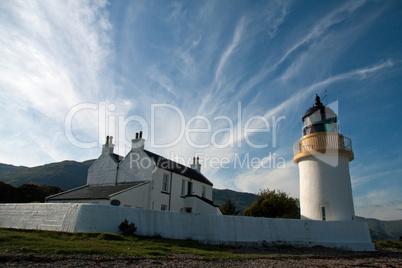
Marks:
<point>196,164</point>
<point>108,147</point>
<point>138,142</point>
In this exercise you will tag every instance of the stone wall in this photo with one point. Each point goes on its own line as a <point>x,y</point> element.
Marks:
<point>213,229</point>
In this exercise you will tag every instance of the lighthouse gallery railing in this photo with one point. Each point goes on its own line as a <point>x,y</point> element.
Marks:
<point>322,141</point>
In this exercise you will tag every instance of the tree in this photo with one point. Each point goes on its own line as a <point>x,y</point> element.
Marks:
<point>229,208</point>
<point>25,193</point>
<point>28,192</point>
<point>274,204</point>
<point>7,193</point>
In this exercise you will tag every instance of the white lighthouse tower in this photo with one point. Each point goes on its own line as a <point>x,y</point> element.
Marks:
<point>323,155</point>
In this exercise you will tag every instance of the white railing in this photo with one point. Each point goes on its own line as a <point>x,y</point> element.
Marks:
<point>322,141</point>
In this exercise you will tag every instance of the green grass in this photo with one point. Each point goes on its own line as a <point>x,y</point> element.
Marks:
<point>107,245</point>
<point>39,243</point>
<point>388,244</point>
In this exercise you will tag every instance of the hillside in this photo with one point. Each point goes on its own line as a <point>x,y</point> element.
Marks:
<point>241,200</point>
<point>66,174</point>
<point>381,230</point>
<point>71,174</point>
<point>6,167</point>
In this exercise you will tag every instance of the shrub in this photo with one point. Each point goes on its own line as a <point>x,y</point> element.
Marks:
<point>274,204</point>
<point>127,228</point>
<point>109,236</point>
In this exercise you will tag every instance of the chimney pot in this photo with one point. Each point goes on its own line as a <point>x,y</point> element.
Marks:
<point>108,147</point>
<point>138,142</point>
<point>196,164</point>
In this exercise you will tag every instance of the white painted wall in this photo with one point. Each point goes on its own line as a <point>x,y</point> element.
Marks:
<point>137,197</point>
<point>324,185</point>
<point>158,197</point>
<point>54,217</point>
<point>103,170</point>
<point>174,198</point>
<point>178,201</point>
<point>197,189</point>
<point>136,166</point>
<point>214,229</point>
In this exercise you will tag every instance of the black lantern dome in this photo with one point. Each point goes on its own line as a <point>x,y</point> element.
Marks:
<point>319,118</point>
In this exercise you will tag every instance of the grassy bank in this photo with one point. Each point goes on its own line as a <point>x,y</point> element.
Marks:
<point>60,244</point>
<point>13,241</point>
<point>393,245</point>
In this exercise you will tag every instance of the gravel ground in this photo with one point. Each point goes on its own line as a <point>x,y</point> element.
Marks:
<point>272,258</point>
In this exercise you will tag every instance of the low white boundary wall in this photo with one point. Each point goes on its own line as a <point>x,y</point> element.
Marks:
<point>212,229</point>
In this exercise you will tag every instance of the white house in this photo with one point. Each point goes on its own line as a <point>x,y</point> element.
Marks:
<point>143,179</point>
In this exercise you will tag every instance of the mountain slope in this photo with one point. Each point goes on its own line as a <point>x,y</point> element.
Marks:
<point>6,167</point>
<point>66,174</point>
<point>241,200</point>
<point>381,230</point>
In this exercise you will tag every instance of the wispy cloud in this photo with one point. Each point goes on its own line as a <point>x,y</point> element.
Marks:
<point>230,49</point>
<point>53,54</point>
<point>318,86</point>
<point>321,27</point>
<point>277,16</point>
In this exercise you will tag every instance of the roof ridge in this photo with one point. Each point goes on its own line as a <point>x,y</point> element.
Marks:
<point>177,168</point>
<point>146,151</point>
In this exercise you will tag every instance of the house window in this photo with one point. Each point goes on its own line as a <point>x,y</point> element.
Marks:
<point>163,207</point>
<point>165,185</point>
<point>203,191</point>
<point>183,187</point>
<point>190,188</point>
<point>323,214</point>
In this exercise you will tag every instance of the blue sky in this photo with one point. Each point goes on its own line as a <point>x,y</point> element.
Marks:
<point>193,75</point>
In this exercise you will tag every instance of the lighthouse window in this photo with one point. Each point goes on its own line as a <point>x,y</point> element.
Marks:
<point>319,128</point>
<point>315,117</point>
<point>307,121</point>
<point>331,128</point>
<point>323,214</point>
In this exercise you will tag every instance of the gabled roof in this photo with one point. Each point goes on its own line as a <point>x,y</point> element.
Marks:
<point>93,192</point>
<point>210,202</point>
<point>177,168</point>
<point>117,158</point>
